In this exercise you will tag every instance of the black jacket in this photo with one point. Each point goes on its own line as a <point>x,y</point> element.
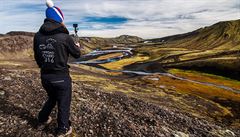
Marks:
<point>52,46</point>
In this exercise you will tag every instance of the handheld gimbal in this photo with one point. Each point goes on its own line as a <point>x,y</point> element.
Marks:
<point>76,38</point>
<point>75,26</point>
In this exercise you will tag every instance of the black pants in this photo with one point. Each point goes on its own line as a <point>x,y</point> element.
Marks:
<point>59,90</point>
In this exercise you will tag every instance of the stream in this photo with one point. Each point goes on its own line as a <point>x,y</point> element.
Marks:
<point>128,52</point>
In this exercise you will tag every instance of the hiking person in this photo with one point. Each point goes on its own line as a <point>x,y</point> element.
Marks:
<point>52,47</point>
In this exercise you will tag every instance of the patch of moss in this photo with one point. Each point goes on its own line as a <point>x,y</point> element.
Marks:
<point>206,77</point>
<point>118,65</point>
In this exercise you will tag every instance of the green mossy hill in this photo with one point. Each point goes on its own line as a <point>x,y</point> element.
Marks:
<point>97,42</point>
<point>222,35</point>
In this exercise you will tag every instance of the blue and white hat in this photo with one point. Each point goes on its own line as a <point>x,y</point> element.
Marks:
<point>54,12</point>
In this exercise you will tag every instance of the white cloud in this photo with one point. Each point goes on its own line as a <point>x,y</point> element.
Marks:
<point>148,18</point>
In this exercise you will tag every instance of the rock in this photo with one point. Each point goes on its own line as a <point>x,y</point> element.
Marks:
<point>8,78</point>
<point>24,122</point>
<point>162,86</point>
<point>154,79</point>
<point>80,99</point>
<point>180,134</point>
<point>227,133</point>
<point>2,93</point>
<point>91,131</point>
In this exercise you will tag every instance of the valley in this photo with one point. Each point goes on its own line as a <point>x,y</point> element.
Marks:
<point>182,85</point>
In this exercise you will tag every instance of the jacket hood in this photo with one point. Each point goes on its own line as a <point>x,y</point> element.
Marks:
<point>51,27</point>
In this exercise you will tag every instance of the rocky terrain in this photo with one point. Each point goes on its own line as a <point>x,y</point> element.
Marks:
<point>94,112</point>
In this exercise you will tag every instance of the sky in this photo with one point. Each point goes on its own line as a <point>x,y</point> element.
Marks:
<point>111,18</point>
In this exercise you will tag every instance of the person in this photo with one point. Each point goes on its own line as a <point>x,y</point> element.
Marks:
<point>52,47</point>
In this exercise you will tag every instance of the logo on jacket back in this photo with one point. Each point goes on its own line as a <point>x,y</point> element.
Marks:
<point>48,49</point>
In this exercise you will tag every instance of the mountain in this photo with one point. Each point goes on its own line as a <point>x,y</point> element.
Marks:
<point>123,39</point>
<point>23,40</point>
<point>19,43</point>
<point>223,35</point>
<point>23,33</point>
<point>91,43</point>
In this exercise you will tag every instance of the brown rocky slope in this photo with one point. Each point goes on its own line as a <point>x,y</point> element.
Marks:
<point>94,112</point>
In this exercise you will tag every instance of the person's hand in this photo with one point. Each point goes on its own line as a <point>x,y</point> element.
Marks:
<point>78,45</point>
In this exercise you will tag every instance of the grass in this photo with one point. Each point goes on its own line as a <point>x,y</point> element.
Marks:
<point>208,54</point>
<point>118,65</point>
<point>105,84</point>
<point>112,55</point>
<point>205,77</point>
<point>207,93</point>
<point>86,78</point>
<point>28,53</point>
<point>199,54</point>
<point>8,63</point>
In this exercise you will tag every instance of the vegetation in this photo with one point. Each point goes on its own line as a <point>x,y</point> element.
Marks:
<point>118,65</point>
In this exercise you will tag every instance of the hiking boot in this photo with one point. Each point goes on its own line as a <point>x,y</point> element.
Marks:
<point>41,126</point>
<point>61,134</point>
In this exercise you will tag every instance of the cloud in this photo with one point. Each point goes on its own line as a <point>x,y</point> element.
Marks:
<point>108,18</point>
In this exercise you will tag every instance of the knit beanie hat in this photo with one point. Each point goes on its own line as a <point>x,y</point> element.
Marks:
<point>54,12</point>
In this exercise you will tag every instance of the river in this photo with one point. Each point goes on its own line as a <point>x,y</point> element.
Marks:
<point>128,52</point>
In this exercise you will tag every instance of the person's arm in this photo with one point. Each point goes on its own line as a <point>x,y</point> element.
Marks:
<point>72,48</point>
<point>36,52</point>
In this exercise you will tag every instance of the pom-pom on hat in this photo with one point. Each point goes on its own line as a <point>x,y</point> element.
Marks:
<point>54,12</point>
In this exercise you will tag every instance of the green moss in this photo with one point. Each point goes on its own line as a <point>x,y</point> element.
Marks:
<point>177,71</point>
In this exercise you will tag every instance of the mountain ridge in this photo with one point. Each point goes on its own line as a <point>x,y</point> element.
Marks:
<point>218,35</point>
<point>222,35</point>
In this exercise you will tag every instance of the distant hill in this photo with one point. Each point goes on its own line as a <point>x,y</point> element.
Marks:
<point>222,35</point>
<point>16,45</point>
<point>97,42</point>
<point>23,33</point>
<point>15,42</point>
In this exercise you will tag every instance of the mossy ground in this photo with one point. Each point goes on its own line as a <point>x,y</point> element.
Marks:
<point>196,99</point>
<point>118,65</point>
